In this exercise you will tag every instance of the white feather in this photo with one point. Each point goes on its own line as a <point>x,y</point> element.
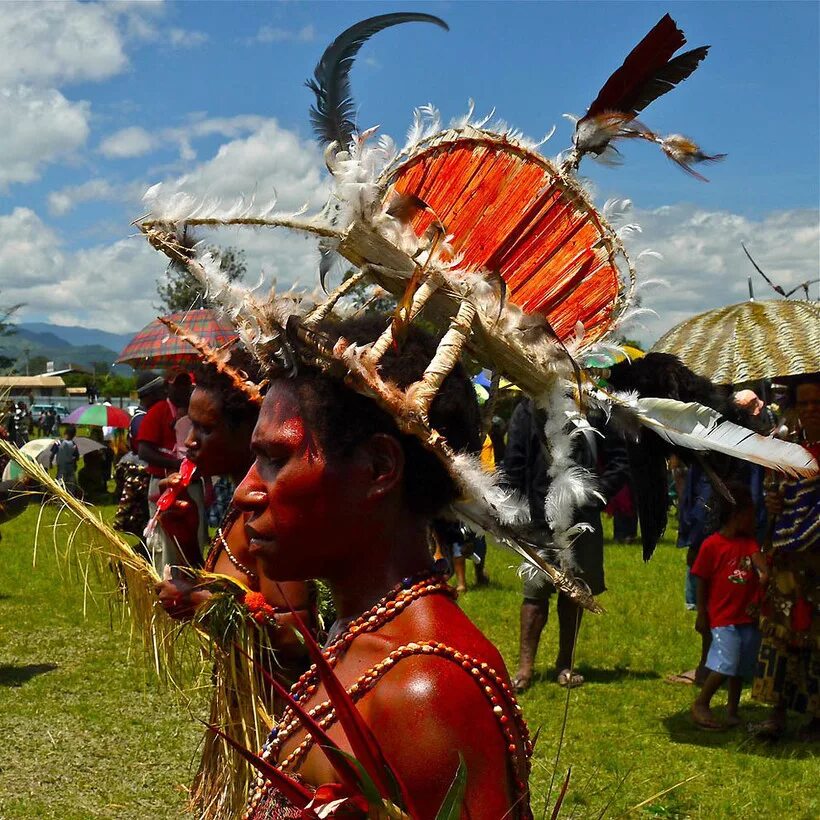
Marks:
<point>504,504</point>
<point>649,253</point>
<point>697,427</point>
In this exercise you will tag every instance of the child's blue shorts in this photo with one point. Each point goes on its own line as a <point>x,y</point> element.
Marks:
<point>734,650</point>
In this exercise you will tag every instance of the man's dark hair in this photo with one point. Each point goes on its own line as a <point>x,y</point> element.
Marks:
<point>341,418</point>
<point>237,408</point>
<point>799,381</point>
<point>70,431</point>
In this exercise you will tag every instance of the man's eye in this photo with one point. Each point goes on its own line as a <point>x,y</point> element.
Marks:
<point>272,460</point>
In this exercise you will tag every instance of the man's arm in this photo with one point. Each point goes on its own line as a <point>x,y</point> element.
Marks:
<point>614,464</point>
<point>515,455</point>
<point>702,620</point>
<point>148,451</point>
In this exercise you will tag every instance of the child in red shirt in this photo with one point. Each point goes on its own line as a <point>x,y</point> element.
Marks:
<point>727,568</point>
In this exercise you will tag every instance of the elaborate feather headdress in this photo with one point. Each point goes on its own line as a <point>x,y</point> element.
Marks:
<point>501,248</point>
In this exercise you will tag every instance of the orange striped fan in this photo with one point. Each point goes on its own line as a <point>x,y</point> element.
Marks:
<point>509,211</point>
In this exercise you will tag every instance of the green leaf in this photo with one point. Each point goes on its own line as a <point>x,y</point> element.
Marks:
<point>368,787</point>
<point>454,799</point>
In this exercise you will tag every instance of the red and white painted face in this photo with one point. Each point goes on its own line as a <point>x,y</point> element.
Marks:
<point>306,510</point>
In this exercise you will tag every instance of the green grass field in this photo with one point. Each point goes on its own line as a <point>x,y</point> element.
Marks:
<point>88,732</point>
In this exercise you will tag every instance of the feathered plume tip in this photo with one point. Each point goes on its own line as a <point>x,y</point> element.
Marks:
<point>356,172</point>
<point>334,112</point>
<point>571,486</point>
<point>180,209</point>
<point>525,544</point>
<point>218,359</point>
<point>685,153</point>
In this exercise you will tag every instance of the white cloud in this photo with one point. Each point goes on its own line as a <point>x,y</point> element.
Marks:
<point>109,286</point>
<point>128,142</point>
<point>30,254</point>
<point>181,38</point>
<point>135,141</point>
<point>271,163</point>
<point>112,286</point>
<point>66,199</point>
<point>274,34</point>
<point>39,126</point>
<point>704,263</point>
<point>58,43</point>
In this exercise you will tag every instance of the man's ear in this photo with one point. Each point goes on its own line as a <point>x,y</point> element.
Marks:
<point>384,461</point>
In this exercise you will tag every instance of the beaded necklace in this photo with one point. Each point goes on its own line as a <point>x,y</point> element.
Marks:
<point>220,544</point>
<point>493,686</point>
<point>232,558</point>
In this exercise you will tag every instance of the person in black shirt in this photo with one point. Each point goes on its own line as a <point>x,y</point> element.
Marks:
<point>526,463</point>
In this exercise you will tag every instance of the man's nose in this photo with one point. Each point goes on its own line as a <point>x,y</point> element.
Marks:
<point>250,494</point>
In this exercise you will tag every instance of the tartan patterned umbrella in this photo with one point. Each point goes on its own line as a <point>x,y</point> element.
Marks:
<point>749,341</point>
<point>156,346</point>
<point>98,415</point>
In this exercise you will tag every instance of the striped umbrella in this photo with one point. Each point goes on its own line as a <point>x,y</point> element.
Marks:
<point>750,341</point>
<point>156,346</point>
<point>98,415</point>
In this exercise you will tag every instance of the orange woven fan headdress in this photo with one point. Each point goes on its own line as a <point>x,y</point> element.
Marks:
<point>501,248</point>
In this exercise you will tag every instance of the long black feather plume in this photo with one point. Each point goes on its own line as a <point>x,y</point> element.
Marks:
<point>333,115</point>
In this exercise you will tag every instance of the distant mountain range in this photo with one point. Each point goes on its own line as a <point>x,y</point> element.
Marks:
<point>63,345</point>
<point>80,335</point>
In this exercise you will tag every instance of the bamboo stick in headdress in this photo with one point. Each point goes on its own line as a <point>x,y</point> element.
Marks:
<point>218,359</point>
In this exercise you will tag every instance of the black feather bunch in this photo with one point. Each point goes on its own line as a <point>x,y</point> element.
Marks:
<point>333,116</point>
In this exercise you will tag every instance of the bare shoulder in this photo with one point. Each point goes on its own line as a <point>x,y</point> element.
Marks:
<point>430,713</point>
<point>441,696</point>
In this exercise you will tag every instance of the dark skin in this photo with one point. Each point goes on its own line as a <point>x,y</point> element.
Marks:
<point>219,448</point>
<point>346,520</point>
<point>179,393</point>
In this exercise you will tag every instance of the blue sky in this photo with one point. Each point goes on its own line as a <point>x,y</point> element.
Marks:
<point>160,89</point>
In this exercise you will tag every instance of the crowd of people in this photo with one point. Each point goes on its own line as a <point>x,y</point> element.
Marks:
<point>308,462</point>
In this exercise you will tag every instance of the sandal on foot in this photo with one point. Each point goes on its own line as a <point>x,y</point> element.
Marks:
<point>570,679</point>
<point>520,683</point>
<point>708,724</point>
<point>766,729</point>
<point>687,678</point>
<point>810,733</point>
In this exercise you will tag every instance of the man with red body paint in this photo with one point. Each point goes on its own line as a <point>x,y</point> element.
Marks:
<point>336,492</point>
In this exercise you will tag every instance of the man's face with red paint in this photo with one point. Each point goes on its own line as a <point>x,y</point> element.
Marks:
<point>213,445</point>
<point>306,510</point>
